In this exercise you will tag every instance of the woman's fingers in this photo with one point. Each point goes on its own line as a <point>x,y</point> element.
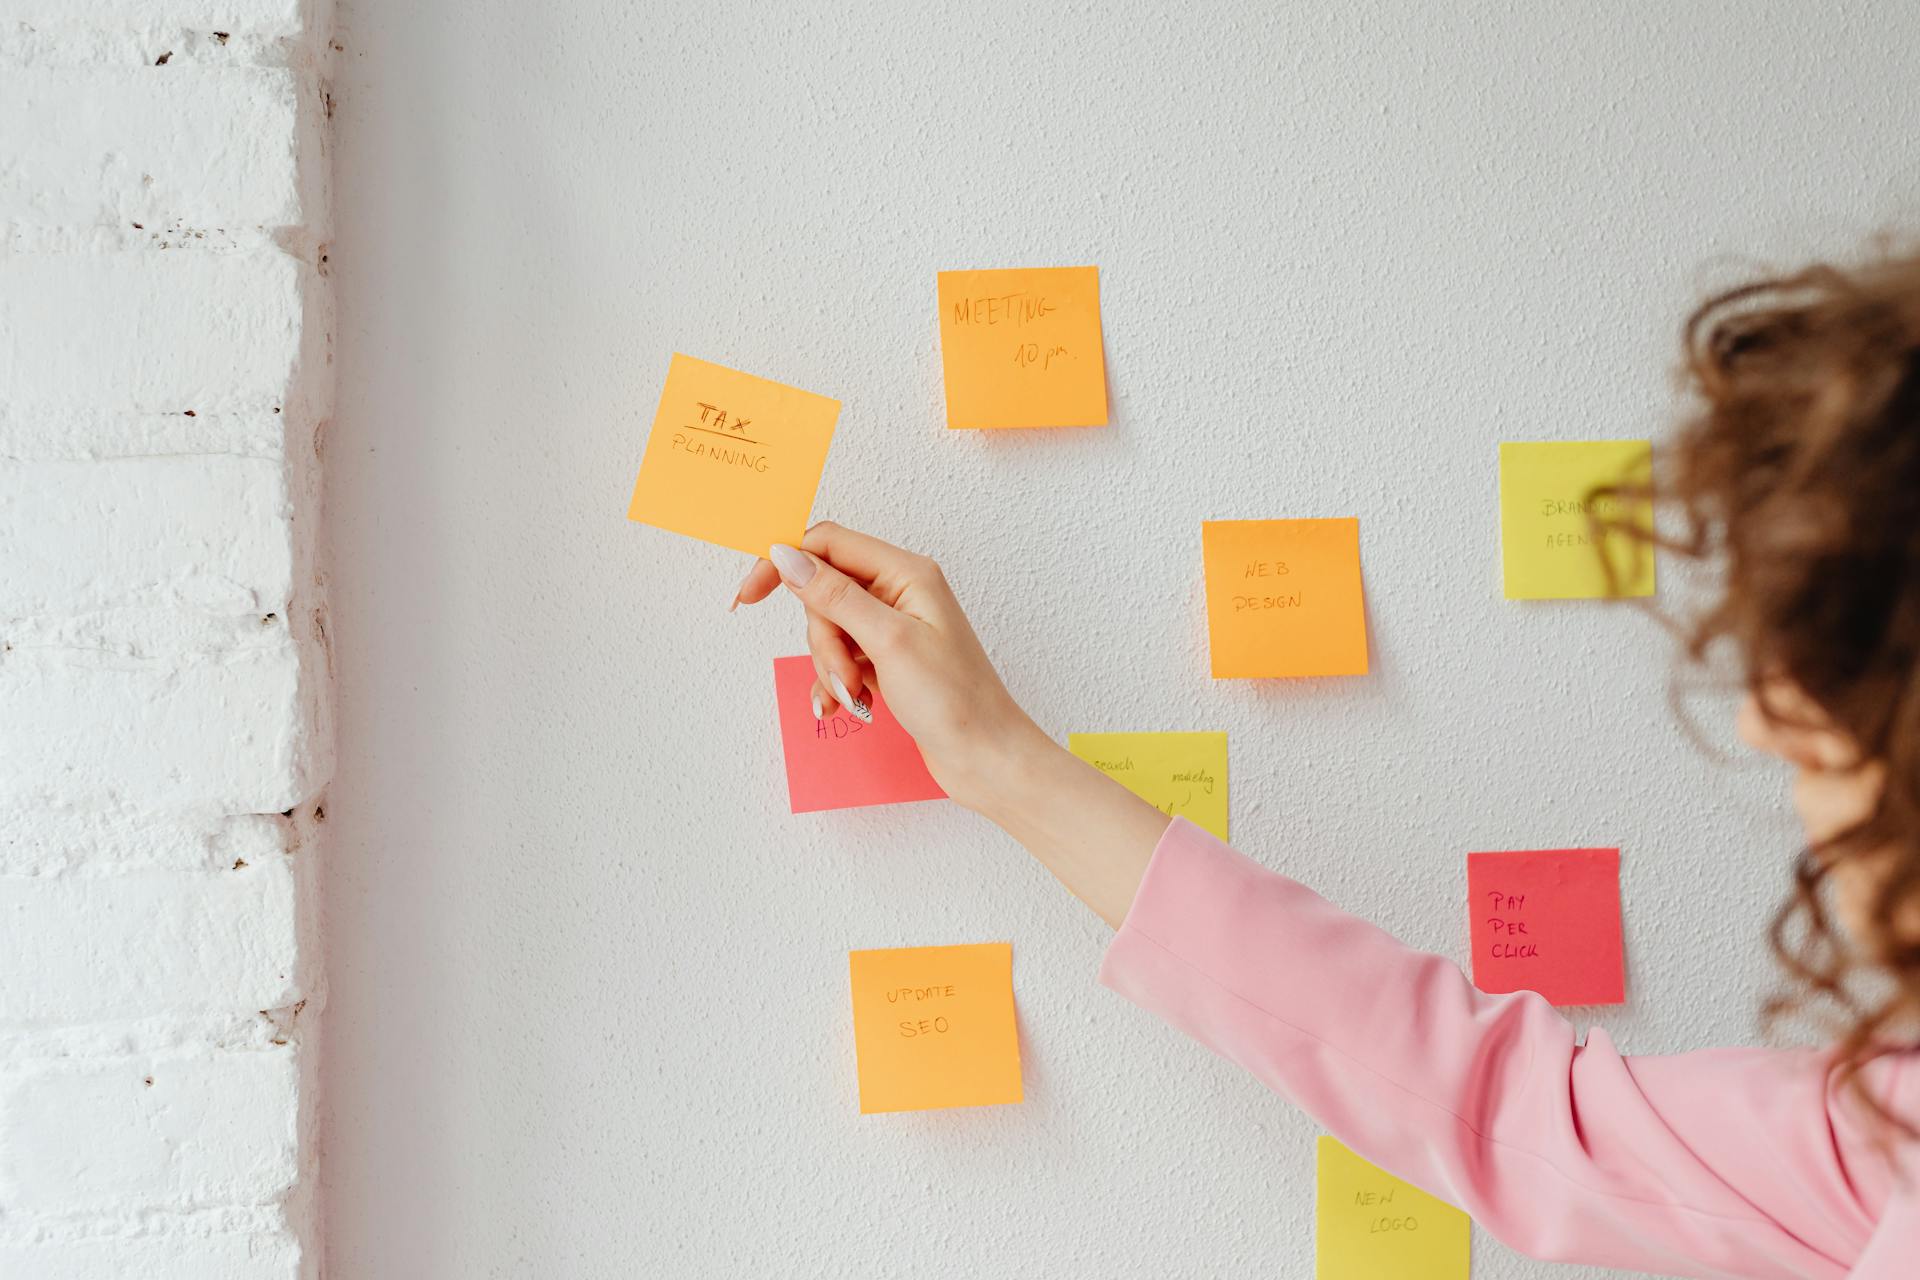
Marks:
<point>757,585</point>
<point>834,664</point>
<point>839,599</point>
<point>888,571</point>
<point>863,558</point>
<point>892,575</point>
<point>858,555</point>
<point>823,703</point>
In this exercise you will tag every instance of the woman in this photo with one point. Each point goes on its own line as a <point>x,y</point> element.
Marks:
<point>1800,478</point>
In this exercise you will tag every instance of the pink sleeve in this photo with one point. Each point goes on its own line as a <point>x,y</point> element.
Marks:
<point>1717,1163</point>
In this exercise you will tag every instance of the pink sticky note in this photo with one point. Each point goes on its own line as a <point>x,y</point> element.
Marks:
<point>840,763</point>
<point>1548,920</point>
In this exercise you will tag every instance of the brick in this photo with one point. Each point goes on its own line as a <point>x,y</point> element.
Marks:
<point>52,436</point>
<point>100,723</point>
<point>96,1137</point>
<point>198,147</point>
<point>203,533</point>
<point>39,841</point>
<point>254,17</point>
<point>153,332</point>
<point>146,944</point>
<point>260,1256</point>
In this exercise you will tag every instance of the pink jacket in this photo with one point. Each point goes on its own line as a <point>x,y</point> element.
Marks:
<point>1723,1162</point>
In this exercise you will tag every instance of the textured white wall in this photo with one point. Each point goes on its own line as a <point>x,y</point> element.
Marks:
<point>163,374</point>
<point>590,1009</point>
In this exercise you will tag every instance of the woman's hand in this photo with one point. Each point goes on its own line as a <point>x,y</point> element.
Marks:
<point>878,615</point>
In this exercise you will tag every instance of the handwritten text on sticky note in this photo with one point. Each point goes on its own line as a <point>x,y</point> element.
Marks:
<point>1022,348</point>
<point>839,762</point>
<point>1548,921</point>
<point>1184,774</point>
<point>1284,598</point>
<point>732,458</point>
<point>934,1027</point>
<point>1369,1225</point>
<point>1547,508</point>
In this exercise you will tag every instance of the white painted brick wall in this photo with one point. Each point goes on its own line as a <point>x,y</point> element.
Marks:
<point>164,375</point>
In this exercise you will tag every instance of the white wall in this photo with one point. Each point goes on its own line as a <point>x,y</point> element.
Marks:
<point>590,998</point>
<point>164,371</point>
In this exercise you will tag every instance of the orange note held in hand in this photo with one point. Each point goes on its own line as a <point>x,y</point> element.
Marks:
<point>1021,347</point>
<point>1283,598</point>
<point>732,459</point>
<point>934,1027</point>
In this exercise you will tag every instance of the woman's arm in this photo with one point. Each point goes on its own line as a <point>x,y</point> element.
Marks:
<point>1710,1164</point>
<point>1718,1163</point>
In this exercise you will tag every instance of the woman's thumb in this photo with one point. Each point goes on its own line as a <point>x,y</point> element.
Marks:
<point>834,596</point>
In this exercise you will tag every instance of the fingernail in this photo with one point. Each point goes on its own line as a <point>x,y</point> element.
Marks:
<point>860,710</point>
<point>819,710</point>
<point>793,564</point>
<point>742,587</point>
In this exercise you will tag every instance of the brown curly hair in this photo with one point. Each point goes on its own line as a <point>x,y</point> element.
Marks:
<point>1798,477</point>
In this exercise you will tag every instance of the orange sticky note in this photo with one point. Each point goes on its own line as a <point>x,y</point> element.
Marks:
<point>1548,920</point>
<point>732,458</point>
<point>933,1027</point>
<point>1283,597</point>
<point>1021,347</point>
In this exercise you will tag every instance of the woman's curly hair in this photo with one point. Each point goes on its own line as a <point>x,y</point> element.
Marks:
<point>1798,477</point>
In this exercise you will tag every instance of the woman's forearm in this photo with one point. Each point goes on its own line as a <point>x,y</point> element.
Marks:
<point>1093,834</point>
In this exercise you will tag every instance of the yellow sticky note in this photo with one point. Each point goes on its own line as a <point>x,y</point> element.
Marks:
<point>1546,541</point>
<point>933,1027</point>
<point>1021,347</point>
<point>1178,773</point>
<point>732,458</point>
<point>1369,1225</point>
<point>1283,597</point>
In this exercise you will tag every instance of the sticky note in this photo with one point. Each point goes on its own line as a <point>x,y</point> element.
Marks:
<point>1283,597</point>
<point>1183,774</point>
<point>1369,1225</point>
<point>1021,347</point>
<point>732,458</point>
<point>934,1027</point>
<point>1548,920</point>
<point>1546,534</point>
<point>840,762</point>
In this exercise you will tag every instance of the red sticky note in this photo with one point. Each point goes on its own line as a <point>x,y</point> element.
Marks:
<point>1548,920</point>
<point>840,763</point>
